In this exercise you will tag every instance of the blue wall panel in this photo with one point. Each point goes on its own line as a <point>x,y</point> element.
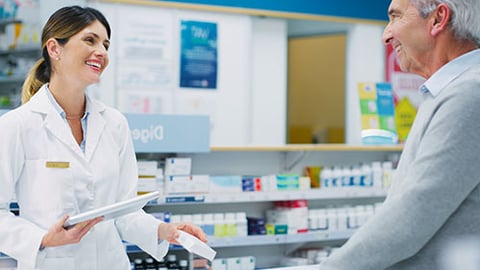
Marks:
<point>364,9</point>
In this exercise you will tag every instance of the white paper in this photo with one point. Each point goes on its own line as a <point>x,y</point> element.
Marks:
<point>195,246</point>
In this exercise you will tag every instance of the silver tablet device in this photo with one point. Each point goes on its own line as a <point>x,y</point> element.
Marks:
<point>113,210</point>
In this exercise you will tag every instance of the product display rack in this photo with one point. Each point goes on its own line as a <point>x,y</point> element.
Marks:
<point>5,22</point>
<point>11,79</point>
<point>15,61</point>
<point>266,160</point>
<point>262,240</point>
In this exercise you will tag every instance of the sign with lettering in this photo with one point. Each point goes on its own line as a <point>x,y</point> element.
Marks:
<point>155,133</point>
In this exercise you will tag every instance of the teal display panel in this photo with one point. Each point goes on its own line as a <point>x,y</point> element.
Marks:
<point>366,9</point>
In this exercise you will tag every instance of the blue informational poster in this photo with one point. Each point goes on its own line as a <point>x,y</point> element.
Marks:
<point>198,55</point>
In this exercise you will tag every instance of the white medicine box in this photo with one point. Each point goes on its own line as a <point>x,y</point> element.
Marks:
<point>147,176</point>
<point>147,169</point>
<point>178,166</point>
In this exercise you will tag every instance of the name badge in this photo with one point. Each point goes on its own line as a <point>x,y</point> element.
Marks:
<point>57,164</point>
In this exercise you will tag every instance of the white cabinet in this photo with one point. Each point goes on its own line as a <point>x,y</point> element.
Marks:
<point>270,249</point>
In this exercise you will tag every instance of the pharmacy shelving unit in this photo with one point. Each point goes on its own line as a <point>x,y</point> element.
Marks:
<point>253,160</point>
<point>11,79</point>
<point>13,67</point>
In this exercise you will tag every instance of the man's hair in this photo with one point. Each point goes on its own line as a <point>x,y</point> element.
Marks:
<point>465,20</point>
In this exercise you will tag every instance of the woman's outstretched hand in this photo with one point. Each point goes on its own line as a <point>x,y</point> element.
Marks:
<point>169,231</point>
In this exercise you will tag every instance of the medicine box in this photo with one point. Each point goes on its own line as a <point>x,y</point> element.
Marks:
<point>234,263</point>
<point>147,176</point>
<point>288,182</point>
<point>219,264</point>
<point>178,166</point>
<point>188,184</point>
<point>247,263</point>
<point>225,183</point>
<point>147,169</point>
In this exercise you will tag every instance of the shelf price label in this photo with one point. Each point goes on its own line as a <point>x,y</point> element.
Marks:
<point>185,199</point>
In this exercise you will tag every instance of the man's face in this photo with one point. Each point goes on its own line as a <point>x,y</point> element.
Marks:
<point>408,33</point>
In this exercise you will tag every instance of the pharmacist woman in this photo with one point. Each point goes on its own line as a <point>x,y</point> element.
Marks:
<point>62,153</point>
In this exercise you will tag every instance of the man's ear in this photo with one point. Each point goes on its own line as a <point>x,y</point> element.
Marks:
<point>54,49</point>
<point>441,18</point>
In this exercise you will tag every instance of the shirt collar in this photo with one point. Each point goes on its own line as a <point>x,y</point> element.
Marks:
<point>450,71</point>
<point>59,109</point>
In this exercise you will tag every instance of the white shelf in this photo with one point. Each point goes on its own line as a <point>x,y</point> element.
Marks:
<point>258,240</point>
<point>5,22</point>
<point>12,79</point>
<point>249,197</point>
<point>302,267</point>
<point>261,240</point>
<point>252,197</point>
<point>310,147</point>
<point>26,50</point>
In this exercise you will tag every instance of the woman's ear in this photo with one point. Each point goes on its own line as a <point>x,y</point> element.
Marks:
<point>54,49</point>
<point>441,18</point>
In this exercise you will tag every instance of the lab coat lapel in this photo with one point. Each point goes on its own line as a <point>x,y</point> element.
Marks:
<point>55,124</point>
<point>52,120</point>
<point>95,127</point>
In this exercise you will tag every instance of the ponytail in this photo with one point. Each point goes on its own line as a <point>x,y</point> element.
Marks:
<point>38,76</point>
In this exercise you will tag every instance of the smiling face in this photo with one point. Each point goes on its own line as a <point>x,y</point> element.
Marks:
<point>83,58</point>
<point>409,35</point>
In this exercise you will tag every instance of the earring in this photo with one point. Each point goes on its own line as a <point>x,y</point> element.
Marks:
<point>56,58</point>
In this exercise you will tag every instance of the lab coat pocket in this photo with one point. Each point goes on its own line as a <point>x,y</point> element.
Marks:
<point>67,263</point>
<point>48,189</point>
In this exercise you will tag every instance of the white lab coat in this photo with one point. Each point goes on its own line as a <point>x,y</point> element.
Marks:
<point>34,134</point>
